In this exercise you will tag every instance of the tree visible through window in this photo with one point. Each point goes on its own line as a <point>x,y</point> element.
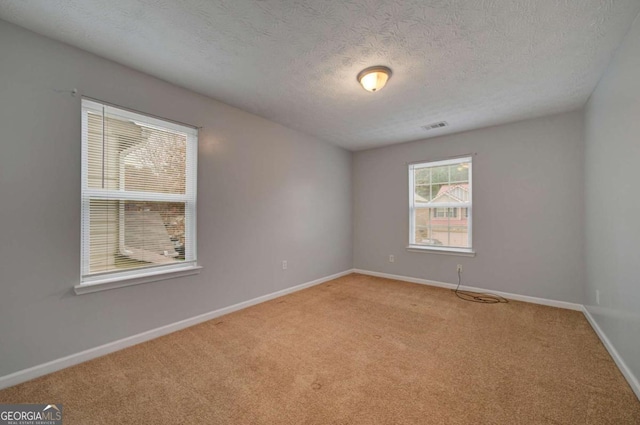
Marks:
<point>138,192</point>
<point>440,204</point>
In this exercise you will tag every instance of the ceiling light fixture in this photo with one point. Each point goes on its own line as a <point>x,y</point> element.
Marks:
<point>374,78</point>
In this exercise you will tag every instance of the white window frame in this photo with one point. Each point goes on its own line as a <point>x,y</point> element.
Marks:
<point>91,282</point>
<point>413,246</point>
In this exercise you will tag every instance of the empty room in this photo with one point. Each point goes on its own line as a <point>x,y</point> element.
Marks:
<point>319,212</point>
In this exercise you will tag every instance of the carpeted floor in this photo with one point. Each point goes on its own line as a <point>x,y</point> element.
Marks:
<point>356,350</point>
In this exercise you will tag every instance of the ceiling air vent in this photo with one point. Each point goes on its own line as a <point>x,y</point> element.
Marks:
<point>435,126</point>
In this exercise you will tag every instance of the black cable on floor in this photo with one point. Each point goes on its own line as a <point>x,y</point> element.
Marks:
<point>477,297</point>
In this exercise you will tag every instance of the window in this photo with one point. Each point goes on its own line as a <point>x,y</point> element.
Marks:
<point>445,212</point>
<point>138,194</point>
<point>440,205</point>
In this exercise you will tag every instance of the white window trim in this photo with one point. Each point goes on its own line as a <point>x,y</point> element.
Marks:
<point>103,283</point>
<point>110,280</point>
<point>462,252</point>
<point>414,247</point>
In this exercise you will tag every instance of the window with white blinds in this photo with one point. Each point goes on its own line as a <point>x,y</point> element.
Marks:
<point>138,193</point>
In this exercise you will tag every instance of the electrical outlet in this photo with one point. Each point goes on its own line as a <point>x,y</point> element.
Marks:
<point>392,259</point>
<point>284,265</point>
<point>459,269</point>
<point>597,297</point>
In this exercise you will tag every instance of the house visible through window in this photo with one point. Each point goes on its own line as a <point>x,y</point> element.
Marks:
<point>445,212</point>
<point>440,204</point>
<point>138,193</point>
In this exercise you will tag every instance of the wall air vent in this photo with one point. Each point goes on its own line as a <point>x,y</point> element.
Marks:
<point>435,126</point>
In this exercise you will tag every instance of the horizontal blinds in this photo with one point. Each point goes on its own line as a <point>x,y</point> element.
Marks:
<point>139,195</point>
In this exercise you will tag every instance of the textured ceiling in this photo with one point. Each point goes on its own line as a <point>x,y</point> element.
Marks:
<point>470,63</point>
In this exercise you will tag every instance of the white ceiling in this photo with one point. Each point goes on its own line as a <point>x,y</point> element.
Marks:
<point>471,63</point>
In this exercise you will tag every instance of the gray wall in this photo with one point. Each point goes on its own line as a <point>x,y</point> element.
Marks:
<point>528,203</point>
<point>266,194</point>
<point>612,158</point>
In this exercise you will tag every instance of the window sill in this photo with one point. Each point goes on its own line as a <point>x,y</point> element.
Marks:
<point>119,282</point>
<point>444,251</point>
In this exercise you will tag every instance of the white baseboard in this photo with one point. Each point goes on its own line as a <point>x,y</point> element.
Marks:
<point>626,372</point>
<point>83,356</point>
<point>92,353</point>
<point>507,295</point>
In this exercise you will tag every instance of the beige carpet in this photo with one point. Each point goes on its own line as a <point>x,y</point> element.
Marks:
<point>356,350</point>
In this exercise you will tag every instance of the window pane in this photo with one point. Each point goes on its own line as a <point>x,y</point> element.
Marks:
<point>103,235</point>
<point>421,224</point>
<point>441,227</point>
<point>456,193</point>
<point>131,234</point>
<point>422,193</point>
<point>157,163</point>
<point>436,191</point>
<point>427,228</point>
<point>422,176</point>
<point>123,155</point>
<point>439,233</point>
<point>459,234</point>
<point>421,181</point>
<point>102,166</point>
<point>459,173</point>
<point>440,174</point>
